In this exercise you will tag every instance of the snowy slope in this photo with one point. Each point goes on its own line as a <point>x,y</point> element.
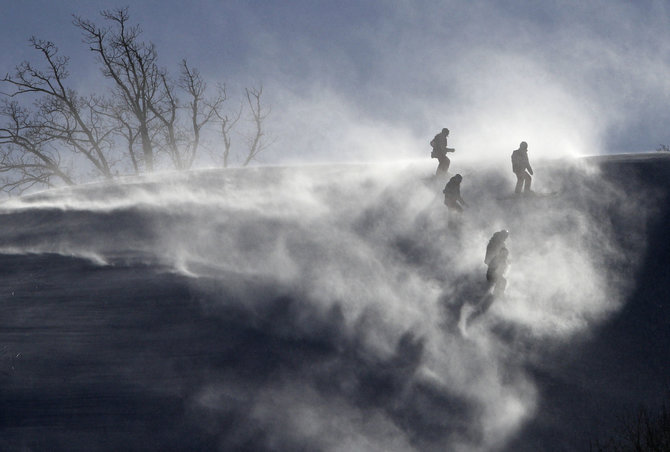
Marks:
<point>320,308</point>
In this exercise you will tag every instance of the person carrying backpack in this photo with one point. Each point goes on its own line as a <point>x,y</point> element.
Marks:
<point>440,149</point>
<point>521,168</point>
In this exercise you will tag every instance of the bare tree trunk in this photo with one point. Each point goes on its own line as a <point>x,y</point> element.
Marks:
<point>202,109</point>
<point>257,144</point>
<point>147,148</point>
<point>227,124</point>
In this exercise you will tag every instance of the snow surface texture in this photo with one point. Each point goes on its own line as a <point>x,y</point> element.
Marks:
<point>300,308</point>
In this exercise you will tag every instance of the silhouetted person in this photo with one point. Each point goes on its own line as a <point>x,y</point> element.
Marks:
<point>496,271</point>
<point>452,194</point>
<point>496,243</point>
<point>440,149</point>
<point>496,260</point>
<point>521,167</point>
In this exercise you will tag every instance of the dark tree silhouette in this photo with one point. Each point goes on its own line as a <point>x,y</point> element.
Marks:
<point>227,123</point>
<point>61,116</point>
<point>202,109</point>
<point>144,118</point>
<point>646,430</point>
<point>27,157</point>
<point>132,64</point>
<point>257,142</point>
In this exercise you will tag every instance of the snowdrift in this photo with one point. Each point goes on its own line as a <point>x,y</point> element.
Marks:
<point>325,308</point>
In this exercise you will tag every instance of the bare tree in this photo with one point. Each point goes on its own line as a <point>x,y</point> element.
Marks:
<point>63,115</point>
<point>130,134</point>
<point>27,157</point>
<point>181,139</point>
<point>257,142</point>
<point>125,129</point>
<point>202,109</point>
<point>142,111</point>
<point>132,65</point>
<point>226,123</point>
<point>165,109</point>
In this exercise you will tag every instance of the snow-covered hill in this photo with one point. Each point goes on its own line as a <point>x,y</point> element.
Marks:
<point>323,308</point>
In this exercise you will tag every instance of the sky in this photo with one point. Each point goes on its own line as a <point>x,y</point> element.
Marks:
<point>376,80</point>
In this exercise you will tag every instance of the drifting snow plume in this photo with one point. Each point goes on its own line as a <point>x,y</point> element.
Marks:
<point>367,309</point>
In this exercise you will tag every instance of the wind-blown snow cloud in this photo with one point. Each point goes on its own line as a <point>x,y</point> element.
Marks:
<point>357,292</point>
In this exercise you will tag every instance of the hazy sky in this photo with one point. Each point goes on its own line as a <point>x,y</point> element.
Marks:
<point>358,80</point>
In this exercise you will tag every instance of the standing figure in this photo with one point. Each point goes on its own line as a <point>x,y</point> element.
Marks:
<point>521,167</point>
<point>496,260</point>
<point>496,243</point>
<point>440,149</point>
<point>452,194</point>
<point>496,271</point>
